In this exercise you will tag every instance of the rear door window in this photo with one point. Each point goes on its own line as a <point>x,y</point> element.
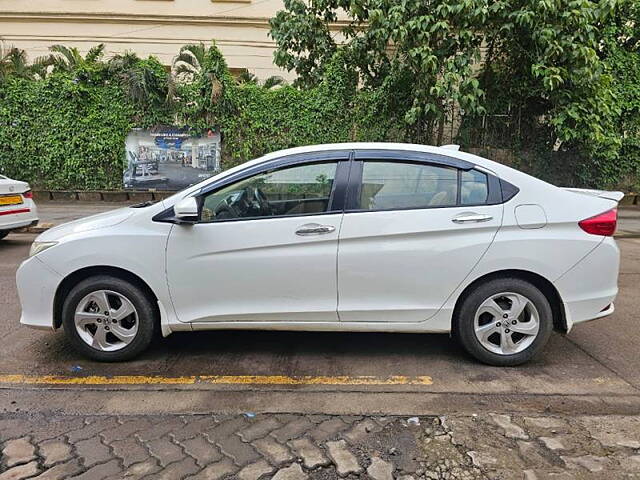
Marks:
<point>400,185</point>
<point>473,187</point>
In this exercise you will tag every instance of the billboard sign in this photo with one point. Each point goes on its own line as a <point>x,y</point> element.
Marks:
<point>170,158</point>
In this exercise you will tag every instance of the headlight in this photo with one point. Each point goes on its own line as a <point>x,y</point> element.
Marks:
<point>37,247</point>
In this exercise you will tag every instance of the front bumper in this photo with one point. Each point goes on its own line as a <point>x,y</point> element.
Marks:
<point>37,285</point>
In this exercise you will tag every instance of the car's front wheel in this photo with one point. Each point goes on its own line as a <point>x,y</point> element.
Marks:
<point>504,322</point>
<point>108,319</point>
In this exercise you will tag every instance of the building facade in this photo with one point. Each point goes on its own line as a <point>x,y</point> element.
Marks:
<point>147,27</point>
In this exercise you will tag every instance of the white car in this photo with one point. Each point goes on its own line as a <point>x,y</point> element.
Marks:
<point>17,208</point>
<point>374,237</point>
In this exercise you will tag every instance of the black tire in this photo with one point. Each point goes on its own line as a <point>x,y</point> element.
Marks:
<point>465,318</point>
<point>4,233</point>
<point>147,317</point>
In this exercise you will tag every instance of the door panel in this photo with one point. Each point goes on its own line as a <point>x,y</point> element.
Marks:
<point>414,232</point>
<point>265,248</point>
<point>400,266</point>
<point>254,270</point>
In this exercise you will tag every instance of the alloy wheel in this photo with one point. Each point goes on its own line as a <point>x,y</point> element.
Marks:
<point>506,323</point>
<point>106,320</point>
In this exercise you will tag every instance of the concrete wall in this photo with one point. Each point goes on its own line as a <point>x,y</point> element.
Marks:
<point>147,27</point>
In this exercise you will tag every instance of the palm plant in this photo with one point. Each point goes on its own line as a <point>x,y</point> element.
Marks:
<point>143,81</point>
<point>188,63</point>
<point>67,59</point>
<point>246,77</point>
<point>191,63</point>
<point>13,62</point>
<point>274,81</point>
<point>134,80</point>
<point>40,68</point>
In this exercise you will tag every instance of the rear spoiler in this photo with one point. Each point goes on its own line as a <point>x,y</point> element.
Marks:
<point>615,196</point>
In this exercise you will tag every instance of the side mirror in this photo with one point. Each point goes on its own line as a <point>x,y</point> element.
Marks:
<point>186,210</point>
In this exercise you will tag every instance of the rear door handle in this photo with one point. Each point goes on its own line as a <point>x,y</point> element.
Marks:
<point>471,218</point>
<point>314,229</point>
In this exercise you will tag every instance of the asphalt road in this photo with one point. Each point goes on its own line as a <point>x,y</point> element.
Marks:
<point>596,368</point>
<point>289,405</point>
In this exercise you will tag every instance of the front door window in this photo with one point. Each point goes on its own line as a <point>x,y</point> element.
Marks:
<point>299,190</point>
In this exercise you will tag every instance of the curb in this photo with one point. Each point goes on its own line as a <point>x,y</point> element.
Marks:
<point>92,196</point>
<point>40,228</point>
<point>100,195</point>
<point>623,234</point>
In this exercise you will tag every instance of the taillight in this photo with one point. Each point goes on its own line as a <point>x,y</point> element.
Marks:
<point>28,194</point>
<point>603,224</point>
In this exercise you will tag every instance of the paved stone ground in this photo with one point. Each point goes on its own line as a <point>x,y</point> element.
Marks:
<point>318,447</point>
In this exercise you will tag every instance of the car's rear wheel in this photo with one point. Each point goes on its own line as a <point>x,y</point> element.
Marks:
<point>108,319</point>
<point>504,322</point>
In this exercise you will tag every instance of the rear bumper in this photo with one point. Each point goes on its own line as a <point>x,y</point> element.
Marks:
<point>37,285</point>
<point>19,216</point>
<point>590,287</point>
<point>21,224</point>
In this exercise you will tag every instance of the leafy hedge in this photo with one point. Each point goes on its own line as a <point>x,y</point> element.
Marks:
<point>68,130</point>
<point>60,134</point>
<point>264,120</point>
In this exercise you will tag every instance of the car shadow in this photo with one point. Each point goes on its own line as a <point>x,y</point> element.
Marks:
<point>249,352</point>
<point>253,352</point>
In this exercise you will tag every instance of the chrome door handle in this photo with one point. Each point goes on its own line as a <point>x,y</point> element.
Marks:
<point>314,229</point>
<point>471,218</point>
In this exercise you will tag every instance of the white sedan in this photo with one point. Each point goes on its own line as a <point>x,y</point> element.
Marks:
<point>373,237</point>
<point>17,208</point>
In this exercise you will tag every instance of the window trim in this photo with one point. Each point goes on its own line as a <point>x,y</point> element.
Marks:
<point>348,180</point>
<point>494,190</point>
<point>287,160</point>
<point>411,155</point>
<point>339,156</point>
<point>336,196</point>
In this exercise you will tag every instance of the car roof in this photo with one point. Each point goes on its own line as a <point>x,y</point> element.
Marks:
<point>498,169</point>
<point>357,146</point>
<point>447,150</point>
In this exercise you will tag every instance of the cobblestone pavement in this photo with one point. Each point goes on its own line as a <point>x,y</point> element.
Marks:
<point>292,447</point>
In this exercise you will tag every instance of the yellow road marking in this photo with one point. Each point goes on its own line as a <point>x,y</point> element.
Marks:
<point>214,379</point>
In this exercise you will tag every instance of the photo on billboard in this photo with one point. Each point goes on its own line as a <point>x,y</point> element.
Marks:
<point>170,158</point>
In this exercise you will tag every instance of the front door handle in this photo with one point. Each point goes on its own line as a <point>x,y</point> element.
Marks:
<point>471,218</point>
<point>314,229</point>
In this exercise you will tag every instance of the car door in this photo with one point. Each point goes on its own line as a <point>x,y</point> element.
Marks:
<point>414,227</point>
<point>264,248</point>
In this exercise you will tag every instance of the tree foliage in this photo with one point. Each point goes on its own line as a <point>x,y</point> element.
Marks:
<point>418,57</point>
<point>67,130</point>
<point>568,71</point>
<point>564,73</point>
<point>557,68</point>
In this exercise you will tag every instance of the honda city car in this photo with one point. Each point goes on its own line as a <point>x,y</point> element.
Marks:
<point>368,237</point>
